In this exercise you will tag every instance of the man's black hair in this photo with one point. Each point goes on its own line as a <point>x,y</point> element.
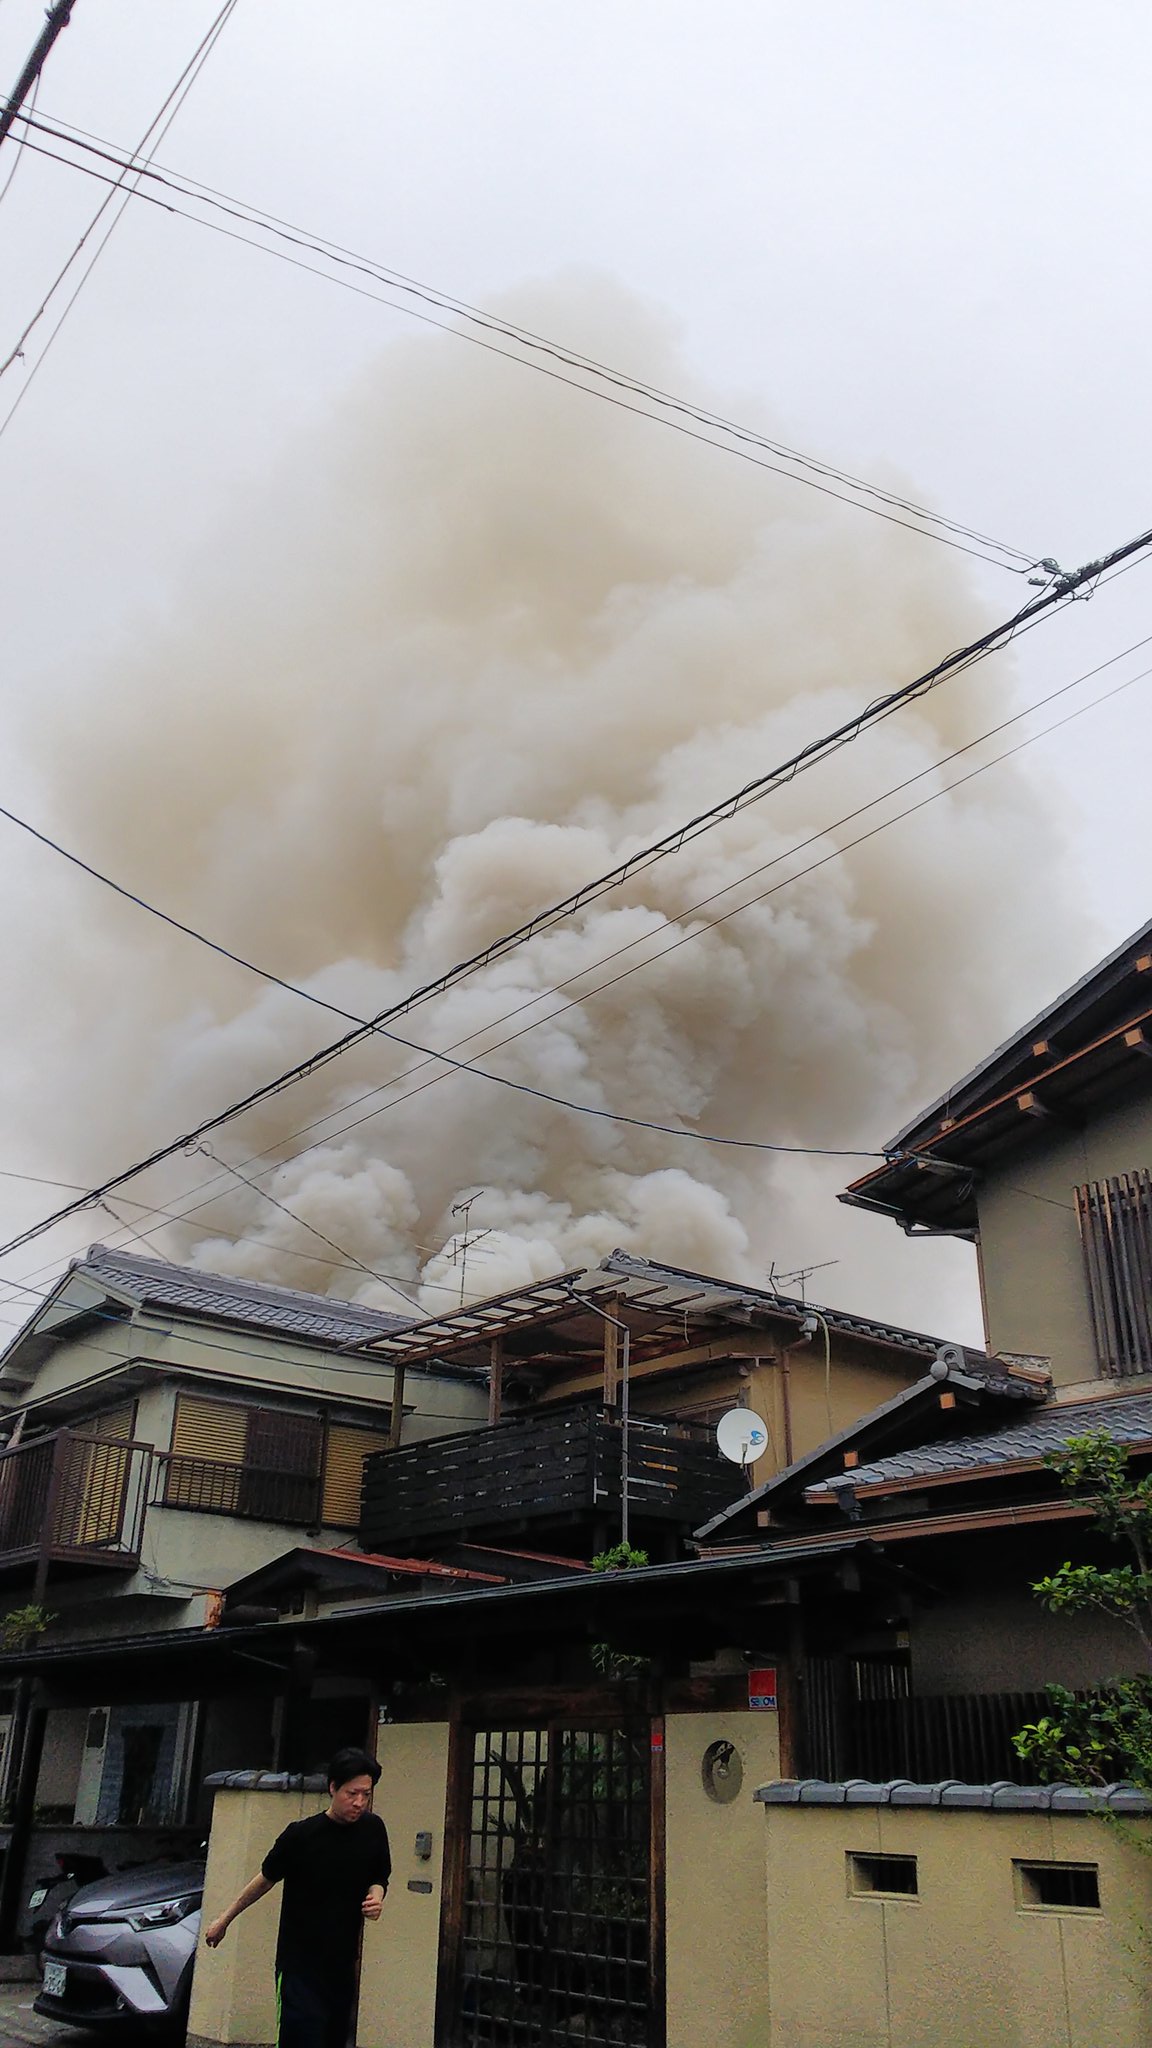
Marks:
<point>352,1763</point>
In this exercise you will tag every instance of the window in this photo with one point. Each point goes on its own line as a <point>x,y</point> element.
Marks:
<point>344,1458</point>
<point>1115,1219</point>
<point>1058,1887</point>
<point>891,1877</point>
<point>263,1463</point>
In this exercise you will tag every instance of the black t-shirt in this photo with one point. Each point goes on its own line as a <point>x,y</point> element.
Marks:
<point>327,1867</point>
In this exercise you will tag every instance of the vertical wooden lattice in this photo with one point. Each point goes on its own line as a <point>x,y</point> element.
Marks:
<point>1115,1219</point>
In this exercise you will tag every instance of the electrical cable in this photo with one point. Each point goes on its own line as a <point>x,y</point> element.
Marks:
<point>521,336</point>
<point>158,128</point>
<point>428,1055</point>
<point>934,767</point>
<point>1062,589</point>
<point>17,154</point>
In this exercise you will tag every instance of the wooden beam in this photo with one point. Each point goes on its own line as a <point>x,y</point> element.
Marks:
<point>397,1421</point>
<point>1137,1040</point>
<point>495,1380</point>
<point>1029,1104</point>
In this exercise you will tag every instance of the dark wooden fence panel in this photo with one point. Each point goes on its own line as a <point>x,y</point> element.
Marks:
<point>553,1467</point>
<point>862,1721</point>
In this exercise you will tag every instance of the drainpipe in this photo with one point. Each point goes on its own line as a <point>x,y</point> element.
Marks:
<point>797,1344</point>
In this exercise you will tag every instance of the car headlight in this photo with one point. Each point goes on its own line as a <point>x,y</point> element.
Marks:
<point>164,1913</point>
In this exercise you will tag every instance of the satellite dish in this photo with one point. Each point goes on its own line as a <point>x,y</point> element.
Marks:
<point>741,1436</point>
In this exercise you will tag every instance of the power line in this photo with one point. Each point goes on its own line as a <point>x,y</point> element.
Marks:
<point>18,154</point>
<point>950,531</point>
<point>1062,590</point>
<point>687,938</point>
<point>1068,586</point>
<point>443,1288</point>
<point>157,128</point>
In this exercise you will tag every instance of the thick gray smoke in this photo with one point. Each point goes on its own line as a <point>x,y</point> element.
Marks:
<point>475,641</point>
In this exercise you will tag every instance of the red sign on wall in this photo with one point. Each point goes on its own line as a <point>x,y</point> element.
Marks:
<point>762,1687</point>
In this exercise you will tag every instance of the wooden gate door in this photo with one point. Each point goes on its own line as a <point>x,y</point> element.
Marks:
<point>554,1908</point>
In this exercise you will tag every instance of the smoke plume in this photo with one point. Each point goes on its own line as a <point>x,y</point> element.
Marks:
<point>476,640</point>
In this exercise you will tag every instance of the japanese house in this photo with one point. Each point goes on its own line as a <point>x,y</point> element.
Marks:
<point>623,1367</point>
<point>170,1431</point>
<point>1042,1158</point>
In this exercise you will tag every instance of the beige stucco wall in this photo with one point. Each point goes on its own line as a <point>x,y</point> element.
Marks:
<point>1035,1295</point>
<point>964,1963</point>
<point>398,1972</point>
<point>233,1997</point>
<point>714,1890</point>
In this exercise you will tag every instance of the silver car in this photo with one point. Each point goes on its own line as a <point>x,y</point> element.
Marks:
<point>120,1953</point>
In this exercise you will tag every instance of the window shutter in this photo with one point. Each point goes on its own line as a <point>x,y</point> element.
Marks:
<point>208,1440</point>
<point>112,1424</point>
<point>343,1471</point>
<point>210,1429</point>
<point>90,1498</point>
<point>281,1481</point>
<point>1115,1219</point>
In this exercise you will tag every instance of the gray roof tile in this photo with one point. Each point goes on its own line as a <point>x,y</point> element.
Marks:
<point>999,1796</point>
<point>728,1291</point>
<point>189,1291</point>
<point>1127,1417</point>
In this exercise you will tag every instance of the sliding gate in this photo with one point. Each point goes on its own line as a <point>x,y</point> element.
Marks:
<point>553,1919</point>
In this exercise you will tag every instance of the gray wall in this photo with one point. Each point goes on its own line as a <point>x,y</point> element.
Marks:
<point>1035,1293</point>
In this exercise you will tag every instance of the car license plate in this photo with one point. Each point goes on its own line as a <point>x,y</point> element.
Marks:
<point>39,1895</point>
<point>55,1979</point>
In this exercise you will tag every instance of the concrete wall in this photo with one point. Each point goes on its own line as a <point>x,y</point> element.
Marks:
<point>233,1995</point>
<point>1035,1294</point>
<point>965,1962</point>
<point>398,1970</point>
<point>717,1994</point>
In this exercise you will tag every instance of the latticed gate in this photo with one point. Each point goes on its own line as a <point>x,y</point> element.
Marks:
<point>552,1925</point>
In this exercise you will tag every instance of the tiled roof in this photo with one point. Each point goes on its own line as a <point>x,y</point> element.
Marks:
<point>729,1292</point>
<point>1127,1417</point>
<point>189,1291</point>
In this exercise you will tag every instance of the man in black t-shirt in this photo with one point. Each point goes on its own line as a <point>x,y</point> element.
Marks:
<point>335,1867</point>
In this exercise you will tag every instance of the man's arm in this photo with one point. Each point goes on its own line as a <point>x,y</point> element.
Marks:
<point>257,1887</point>
<point>383,1861</point>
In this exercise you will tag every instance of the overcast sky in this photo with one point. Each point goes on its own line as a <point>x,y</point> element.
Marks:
<point>919,234</point>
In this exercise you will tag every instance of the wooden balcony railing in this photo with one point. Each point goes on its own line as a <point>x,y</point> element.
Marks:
<point>208,1486</point>
<point>73,1498</point>
<point>563,1468</point>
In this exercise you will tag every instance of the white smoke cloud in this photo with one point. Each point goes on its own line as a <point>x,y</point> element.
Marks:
<point>478,640</point>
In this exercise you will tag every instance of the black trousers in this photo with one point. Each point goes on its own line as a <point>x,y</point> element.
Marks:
<point>314,2009</point>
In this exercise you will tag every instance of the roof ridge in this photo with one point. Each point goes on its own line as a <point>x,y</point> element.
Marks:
<point>102,1256</point>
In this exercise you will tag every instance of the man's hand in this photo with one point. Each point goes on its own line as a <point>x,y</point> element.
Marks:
<point>373,1903</point>
<point>216,1930</point>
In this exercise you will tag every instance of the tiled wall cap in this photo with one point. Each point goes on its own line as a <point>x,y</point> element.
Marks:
<point>266,1781</point>
<point>865,1792</point>
<point>1001,1797</point>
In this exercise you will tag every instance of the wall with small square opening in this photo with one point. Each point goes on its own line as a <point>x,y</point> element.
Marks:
<point>878,1876</point>
<point>1058,1887</point>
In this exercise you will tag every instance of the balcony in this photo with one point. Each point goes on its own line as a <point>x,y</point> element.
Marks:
<point>72,1499</point>
<point>562,1471</point>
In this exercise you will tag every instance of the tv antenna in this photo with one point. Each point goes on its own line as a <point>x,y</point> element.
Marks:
<point>465,1240</point>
